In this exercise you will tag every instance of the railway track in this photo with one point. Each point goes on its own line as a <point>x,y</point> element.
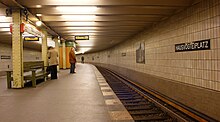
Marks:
<point>144,106</point>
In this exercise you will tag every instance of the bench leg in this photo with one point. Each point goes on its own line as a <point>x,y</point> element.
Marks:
<point>34,83</point>
<point>9,80</point>
<point>45,77</point>
<point>33,79</point>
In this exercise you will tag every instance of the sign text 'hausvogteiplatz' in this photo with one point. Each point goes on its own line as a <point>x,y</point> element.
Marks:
<point>193,46</point>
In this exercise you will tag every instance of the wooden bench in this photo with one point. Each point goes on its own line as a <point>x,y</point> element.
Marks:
<point>33,70</point>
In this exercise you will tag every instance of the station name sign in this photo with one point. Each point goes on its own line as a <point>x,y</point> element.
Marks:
<point>123,54</point>
<point>193,46</point>
<point>5,57</point>
<point>82,37</point>
<point>31,38</point>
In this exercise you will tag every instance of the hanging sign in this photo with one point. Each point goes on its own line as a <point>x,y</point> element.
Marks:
<point>82,37</point>
<point>193,46</point>
<point>31,38</point>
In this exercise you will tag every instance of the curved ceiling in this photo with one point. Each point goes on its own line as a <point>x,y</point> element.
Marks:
<point>107,22</point>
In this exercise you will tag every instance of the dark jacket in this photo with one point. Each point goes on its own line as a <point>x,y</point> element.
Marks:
<point>72,57</point>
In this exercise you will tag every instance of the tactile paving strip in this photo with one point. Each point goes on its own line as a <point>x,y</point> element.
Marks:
<point>117,111</point>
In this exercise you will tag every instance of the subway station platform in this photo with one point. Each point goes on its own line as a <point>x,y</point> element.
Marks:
<point>81,97</point>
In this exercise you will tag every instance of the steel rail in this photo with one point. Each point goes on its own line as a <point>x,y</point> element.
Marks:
<point>198,117</point>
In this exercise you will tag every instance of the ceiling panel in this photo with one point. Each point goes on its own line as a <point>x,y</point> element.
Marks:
<point>4,26</point>
<point>107,22</point>
<point>150,18</point>
<point>33,3</point>
<point>75,24</point>
<point>110,10</point>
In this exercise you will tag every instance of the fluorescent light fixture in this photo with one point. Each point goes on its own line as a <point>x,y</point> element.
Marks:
<point>4,29</point>
<point>83,50</point>
<point>5,25</point>
<point>79,33</point>
<point>26,34</point>
<point>79,17</point>
<point>85,43</point>
<point>39,15</point>
<point>80,23</point>
<point>83,31</point>
<point>77,9</point>
<point>80,28</point>
<point>38,23</point>
<point>2,17</point>
<point>28,25</point>
<point>50,42</point>
<point>5,19</point>
<point>31,29</point>
<point>38,6</point>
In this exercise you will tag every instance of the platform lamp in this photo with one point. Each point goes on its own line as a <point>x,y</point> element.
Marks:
<point>38,23</point>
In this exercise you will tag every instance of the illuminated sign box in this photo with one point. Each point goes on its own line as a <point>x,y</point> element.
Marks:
<point>31,38</point>
<point>82,37</point>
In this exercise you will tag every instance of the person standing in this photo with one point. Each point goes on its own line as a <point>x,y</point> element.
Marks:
<point>82,59</point>
<point>53,62</point>
<point>72,60</point>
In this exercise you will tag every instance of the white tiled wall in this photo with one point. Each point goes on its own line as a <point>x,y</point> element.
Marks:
<point>200,68</point>
<point>5,49</point>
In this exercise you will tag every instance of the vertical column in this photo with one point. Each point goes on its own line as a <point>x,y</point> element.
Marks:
<point>44,48</point>
<point>57,48</point>
<point>64,54</point>
<point>17,50</point>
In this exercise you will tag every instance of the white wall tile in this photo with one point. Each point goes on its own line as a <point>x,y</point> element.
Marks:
<point>200,68</point>
<point>6,64</point>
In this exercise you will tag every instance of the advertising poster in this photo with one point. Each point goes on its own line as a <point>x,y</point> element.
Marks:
<point>140,53</point>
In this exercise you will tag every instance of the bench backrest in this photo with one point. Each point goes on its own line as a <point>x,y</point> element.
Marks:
<point>33,65</point>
